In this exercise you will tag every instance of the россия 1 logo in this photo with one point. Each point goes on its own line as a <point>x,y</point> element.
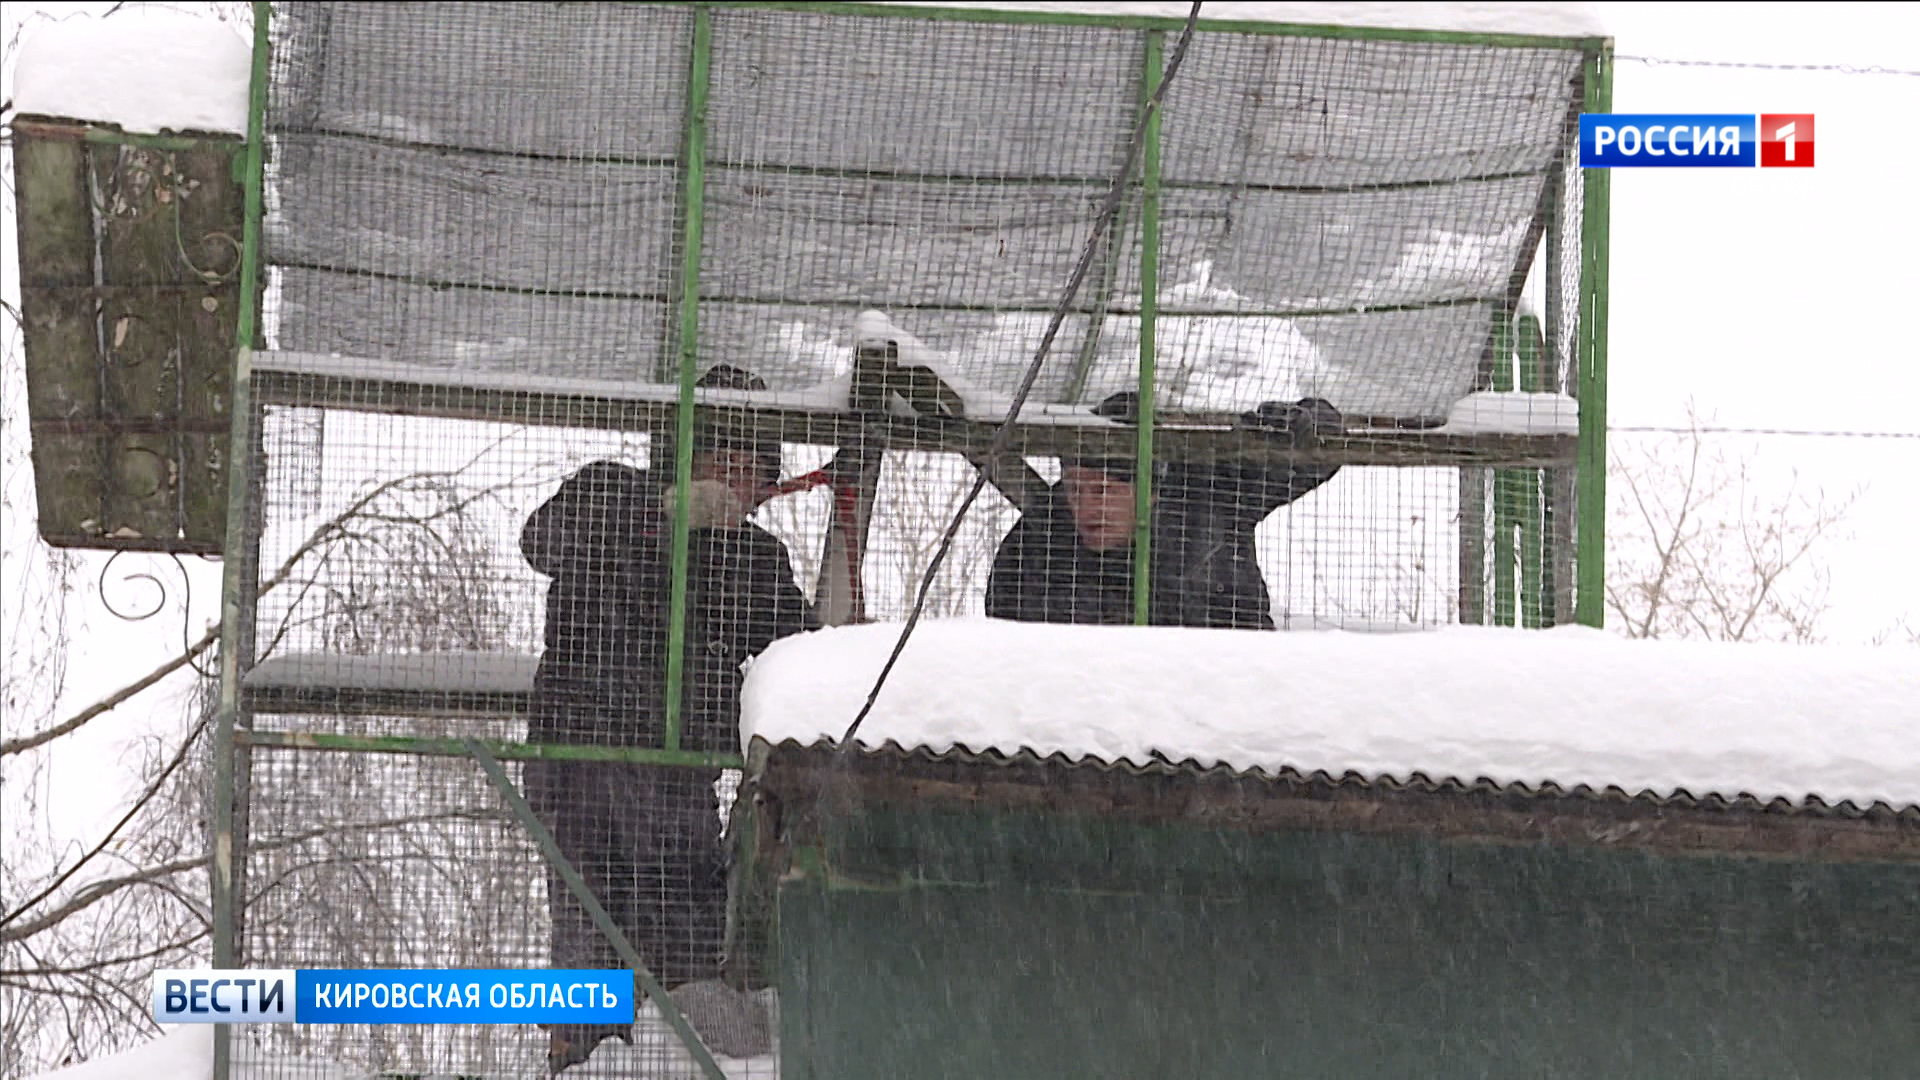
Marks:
<point>1786,141</point>
<point>1696,140</point>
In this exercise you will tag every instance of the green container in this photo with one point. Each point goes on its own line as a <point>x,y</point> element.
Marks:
<point>984,919</point>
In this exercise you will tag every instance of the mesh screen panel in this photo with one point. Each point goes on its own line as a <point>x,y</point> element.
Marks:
<point>1360,258</point>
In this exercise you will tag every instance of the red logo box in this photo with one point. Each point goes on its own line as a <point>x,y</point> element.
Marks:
<point>1786,140</point>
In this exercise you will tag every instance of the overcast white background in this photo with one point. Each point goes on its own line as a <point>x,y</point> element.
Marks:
<point>1770,298</point>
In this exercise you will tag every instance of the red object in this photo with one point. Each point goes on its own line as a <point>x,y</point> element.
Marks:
<point>1786,140</point>
<point>846,518</point>
<point>803,482</point>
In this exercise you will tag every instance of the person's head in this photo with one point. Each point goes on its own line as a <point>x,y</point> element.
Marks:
<point>1100,496</point>
<point>746,472</point>
<point>726,448</point>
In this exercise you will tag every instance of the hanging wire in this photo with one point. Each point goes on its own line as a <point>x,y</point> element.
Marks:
<point>1616,429</point>
<point>1003,436</point>
<point>159,602</point>
<point>1838,69</point>
<point>127,615</point>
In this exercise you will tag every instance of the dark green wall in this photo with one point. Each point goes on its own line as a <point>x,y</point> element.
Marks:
<point>1031,947</point>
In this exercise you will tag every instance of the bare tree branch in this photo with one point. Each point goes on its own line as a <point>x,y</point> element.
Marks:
<point>116,961</point>
<point>1695,551</point>
<point>108,703</point>
<point>186,745</point>
<point>97,891</point>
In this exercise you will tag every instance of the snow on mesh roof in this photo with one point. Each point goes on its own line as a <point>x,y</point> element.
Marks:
<point>145,68</point>
<point>1553,20</point>
<point>1570,706</point>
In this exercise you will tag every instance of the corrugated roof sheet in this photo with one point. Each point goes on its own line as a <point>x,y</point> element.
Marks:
<point>1476,809</point>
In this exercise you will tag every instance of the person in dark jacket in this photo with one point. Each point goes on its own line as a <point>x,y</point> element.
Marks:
<point>647,837</point>
<point>1069,558</point>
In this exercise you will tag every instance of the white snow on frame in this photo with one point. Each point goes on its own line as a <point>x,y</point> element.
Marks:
<point>1546,19</point>
<point>147,69</point>
<point>1481,413</point>
<point>423,673</point>
<point>816,399</point>
<point>1569,706</point>
<point>1513,412</point>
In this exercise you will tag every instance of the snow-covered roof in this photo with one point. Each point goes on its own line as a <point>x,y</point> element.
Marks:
<point>1570,706</point>
<point>147,69</point>
<point>1546,19</point>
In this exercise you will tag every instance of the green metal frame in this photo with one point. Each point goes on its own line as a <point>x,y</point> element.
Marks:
<point>1519,524</point>
<point>1154,65</point>
<point>577,885</point>
<point>421,746</point>
<point>1505,504</point>
<point>1530,487</point>
<point>694,215</point>
<point>1590,550</point>
<point>225,860</point>
<point>1589,376</point>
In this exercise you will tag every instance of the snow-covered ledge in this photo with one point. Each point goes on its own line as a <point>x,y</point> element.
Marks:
<point>1570,706</point>
<point>1512,412</point>
<point>147,69</point>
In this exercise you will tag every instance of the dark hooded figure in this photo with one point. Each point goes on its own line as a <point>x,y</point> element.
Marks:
<point>647,837</point>
<point>1069,558</point>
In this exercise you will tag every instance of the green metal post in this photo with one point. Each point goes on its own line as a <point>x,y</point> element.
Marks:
<point>577,885</point>
<point>1529,485</point>
<point>1505,508</point>
<point>234,588</point>
<point>1555,374</point>
<point>1149,311</point>
<point>1589,602</point>
<point>694,201</point>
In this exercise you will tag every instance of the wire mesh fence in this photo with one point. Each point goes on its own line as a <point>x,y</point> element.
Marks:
<point>606,345</point>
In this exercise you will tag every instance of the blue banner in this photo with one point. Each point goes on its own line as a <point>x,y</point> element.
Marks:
<point>392,996</point>
<point>464,997</point>
<point>1667,140</point>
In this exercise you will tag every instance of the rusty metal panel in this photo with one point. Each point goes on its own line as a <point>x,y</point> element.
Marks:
<point>129,254</point>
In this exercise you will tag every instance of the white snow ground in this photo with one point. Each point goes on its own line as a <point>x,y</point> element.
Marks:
<point>185,1052</point>
<point>1570,706</point>
<point>147,69</point>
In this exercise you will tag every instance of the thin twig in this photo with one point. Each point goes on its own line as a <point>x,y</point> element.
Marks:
<point>186,746</point>
<point>111,701</point>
